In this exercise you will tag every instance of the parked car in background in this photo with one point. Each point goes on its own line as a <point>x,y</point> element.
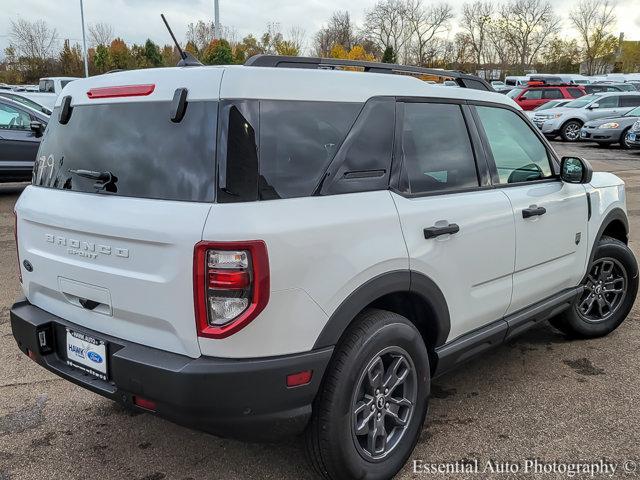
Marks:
<point>567,121</point>
<point>609,87</point>
<point>47,100</point>
<point>54,84</point>
<point>633,137</point>
<point>516,81</point>
<point>535,94</point>
<point>21,130</point>
<point>609,130</point>
<point>498,84</point>
<point>21,98</point>
<point>547,106</point>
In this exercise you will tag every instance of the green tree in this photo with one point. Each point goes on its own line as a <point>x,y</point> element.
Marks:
<point>152,54</point>
<point>562,56</point>
<point>389,55</point>
<point>71,61</point>
<point>102,59</point>
<point>218,53</point>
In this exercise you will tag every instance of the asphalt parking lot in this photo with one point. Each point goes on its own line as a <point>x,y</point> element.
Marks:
<point>539,397</point>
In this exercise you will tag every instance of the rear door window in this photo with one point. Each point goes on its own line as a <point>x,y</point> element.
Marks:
<point>552,93</point>
<point>436,149</point>
<point>135,148</point>
<point>298,140</point>
<point>630,101</point>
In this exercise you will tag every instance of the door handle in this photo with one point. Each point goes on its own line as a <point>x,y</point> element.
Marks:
<point>433,232</point>
<point>533,211</point>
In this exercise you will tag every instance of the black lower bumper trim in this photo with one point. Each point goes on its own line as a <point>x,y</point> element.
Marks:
<point>246,399</point>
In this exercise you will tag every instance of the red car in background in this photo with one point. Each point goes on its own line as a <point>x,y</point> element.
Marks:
<point>536,93</point>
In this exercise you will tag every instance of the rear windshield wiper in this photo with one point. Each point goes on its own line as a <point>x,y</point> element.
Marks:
<point>104,180</point>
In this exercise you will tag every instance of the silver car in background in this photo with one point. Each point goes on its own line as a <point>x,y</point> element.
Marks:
<point>610,130</point>
<point>567,121</point>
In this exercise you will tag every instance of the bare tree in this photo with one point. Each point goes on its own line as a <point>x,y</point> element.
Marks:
<point>100,34</point>
<point>339,31</point>
<point>387,24</point>
<point>296,36</point>
<point>594,19</point>
<point>33,40</point>
<point>528,25</point>
<point>476,23</point>
<point>423,25</point>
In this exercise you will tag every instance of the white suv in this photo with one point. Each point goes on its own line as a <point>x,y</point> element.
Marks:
<point>259,252</point>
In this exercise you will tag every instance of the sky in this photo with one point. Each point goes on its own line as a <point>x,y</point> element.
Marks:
<point>137,20</point>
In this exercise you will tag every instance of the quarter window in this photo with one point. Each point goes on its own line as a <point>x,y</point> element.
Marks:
<point>436,149</point>
<point>519,155</point>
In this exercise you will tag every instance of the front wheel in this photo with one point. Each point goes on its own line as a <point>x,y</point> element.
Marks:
<point>624,143</point>
<point>570,131</point>
<point>610,290</point>
<point>370,409</point>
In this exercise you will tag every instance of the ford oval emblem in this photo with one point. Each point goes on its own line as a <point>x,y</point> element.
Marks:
<point>94,357</point>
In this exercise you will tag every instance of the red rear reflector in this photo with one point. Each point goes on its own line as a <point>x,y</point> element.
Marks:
<point>122,91</point>
<point>300,378</point>
<point>32,355</point>
<point>144,403</point>
<point>228,279</point>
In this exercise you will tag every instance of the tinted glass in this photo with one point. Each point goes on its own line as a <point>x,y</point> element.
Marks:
<point>552,93</point>
<point>63,83</point>
<point>514,93</point>
<point>532,95</point>
<point>609,102</point>
<point>297,142</point>
<point>436,149</point>
<point>146,154</point>
<point>630,101</point>
<point>575,92</point>
<point>12,118</point>
<point>518,153</point>
<point>364,161</point>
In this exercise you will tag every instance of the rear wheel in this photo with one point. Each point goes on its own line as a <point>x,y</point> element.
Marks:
<point>610,290</point>
<point>570,131</point>
<point>370,409</point>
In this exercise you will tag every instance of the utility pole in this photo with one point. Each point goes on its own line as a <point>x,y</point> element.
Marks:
<point>84,42</point>
<point>216,19</point>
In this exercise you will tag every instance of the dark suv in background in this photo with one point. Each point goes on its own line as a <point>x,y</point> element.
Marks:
<point>21,130</point>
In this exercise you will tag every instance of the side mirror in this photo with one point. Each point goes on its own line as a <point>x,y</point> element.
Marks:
<point>37,127</point>
<point>575,170</point>
<point>593,106</point>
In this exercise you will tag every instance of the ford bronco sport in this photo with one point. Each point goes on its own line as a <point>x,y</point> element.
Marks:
<point>261,251</point>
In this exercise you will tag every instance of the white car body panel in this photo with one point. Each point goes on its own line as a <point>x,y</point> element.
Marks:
<point>150,289</point>
<point>472,268</point>
<point>324,247</point>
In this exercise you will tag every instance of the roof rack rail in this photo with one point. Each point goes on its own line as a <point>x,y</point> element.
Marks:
<point>283,61</point>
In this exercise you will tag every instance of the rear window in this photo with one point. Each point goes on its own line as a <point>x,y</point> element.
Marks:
<point>135,147</point>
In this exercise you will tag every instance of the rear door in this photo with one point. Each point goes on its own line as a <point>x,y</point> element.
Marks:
<point>550,215</point>
<point>459,231</point>
<point>120,197</point>
<point>18,143</point>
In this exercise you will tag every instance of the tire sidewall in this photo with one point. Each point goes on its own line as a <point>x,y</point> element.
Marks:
<point>621,253</point>
<point>399,334</point>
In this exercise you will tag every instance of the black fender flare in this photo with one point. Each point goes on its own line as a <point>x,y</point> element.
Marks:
<point>379,286</point>
<point>615,214</point>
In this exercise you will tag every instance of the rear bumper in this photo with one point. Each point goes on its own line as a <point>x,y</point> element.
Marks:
<point>246,399</point>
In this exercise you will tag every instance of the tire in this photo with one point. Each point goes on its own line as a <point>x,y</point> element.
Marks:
<point>623,140</point>
<point>615,267</point>
<point>570,131</point>
<point>334,449</point>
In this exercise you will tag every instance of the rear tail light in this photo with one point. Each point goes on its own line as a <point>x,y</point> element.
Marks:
<point>231,285</point>
<point>15,236</point>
